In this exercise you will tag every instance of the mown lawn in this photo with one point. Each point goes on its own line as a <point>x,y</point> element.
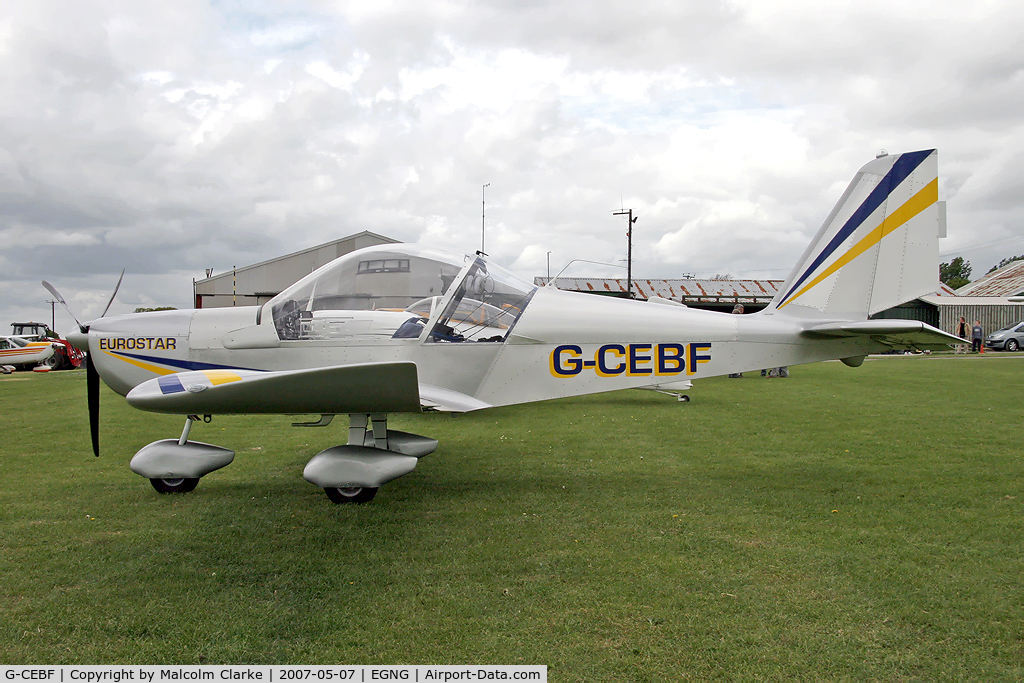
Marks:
<point>842,523</point>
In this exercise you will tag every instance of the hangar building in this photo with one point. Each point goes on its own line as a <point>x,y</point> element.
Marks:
<point>259,283</point>
<point>993,299</point>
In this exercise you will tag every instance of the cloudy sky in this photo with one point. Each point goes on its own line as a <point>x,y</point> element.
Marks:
<point>168,138</point>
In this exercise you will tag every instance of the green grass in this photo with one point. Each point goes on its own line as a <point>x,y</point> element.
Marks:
<point>842,524</point>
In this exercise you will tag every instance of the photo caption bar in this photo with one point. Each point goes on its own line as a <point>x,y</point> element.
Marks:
<point>111,673</point>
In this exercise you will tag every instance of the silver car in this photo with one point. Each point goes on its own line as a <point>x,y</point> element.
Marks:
<point>1009,338</point>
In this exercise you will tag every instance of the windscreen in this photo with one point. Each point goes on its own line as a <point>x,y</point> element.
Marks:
<point>486,304</point>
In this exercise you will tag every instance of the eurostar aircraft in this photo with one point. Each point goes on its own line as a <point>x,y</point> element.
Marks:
<point>406,328</point>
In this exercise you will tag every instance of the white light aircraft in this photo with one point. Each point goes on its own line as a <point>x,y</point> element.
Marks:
<point>404,328</point>
<point>15,351</point>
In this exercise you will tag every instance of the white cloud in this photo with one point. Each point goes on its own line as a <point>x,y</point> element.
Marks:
<point>343,80</point>
<point>173,138</point>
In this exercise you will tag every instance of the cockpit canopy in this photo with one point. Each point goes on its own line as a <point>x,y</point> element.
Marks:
<point>400,291</point>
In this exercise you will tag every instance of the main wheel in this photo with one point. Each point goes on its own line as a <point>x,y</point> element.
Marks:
<point>350,494</point>
<point>54,362</point>
<point>1012,345</point>
<point>175,485</point>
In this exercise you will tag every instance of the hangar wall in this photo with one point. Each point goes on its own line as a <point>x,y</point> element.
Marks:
<point>257,284</point>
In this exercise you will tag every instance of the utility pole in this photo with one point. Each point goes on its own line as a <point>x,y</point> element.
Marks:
<point>549,269</point>
<point>53,315</point>
<point>483,214</point>
<point>629,249</point>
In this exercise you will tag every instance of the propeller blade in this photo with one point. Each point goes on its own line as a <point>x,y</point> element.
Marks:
<point>59,299</point>
<point>116,287</point>
<point>92,388</point>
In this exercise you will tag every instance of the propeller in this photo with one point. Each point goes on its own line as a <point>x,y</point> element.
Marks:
<point>59,299</point>
<point>92,377</point>
<point>116,287</point>
<point>92,391</point>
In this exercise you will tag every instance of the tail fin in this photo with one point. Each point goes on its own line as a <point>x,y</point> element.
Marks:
<point>878,248</point>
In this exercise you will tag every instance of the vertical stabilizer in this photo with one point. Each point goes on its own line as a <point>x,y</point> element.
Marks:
<point>878,248</point>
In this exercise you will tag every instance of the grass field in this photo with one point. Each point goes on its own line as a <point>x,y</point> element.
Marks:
<point>841,524</point>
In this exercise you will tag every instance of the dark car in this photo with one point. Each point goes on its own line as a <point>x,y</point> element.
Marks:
<point>1009,338</point>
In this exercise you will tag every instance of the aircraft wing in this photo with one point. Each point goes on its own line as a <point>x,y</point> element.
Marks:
<point>360,388</point>
<point>895,333</point>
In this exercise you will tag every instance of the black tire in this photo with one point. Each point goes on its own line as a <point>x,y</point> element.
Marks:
<point>177,485</point>
<point>684,398</point>
<point>54,362</point>
<point>1012,345</point>
<point>350,494</point>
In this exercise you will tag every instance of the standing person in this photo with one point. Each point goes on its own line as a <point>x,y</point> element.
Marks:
<point>977,336</point>
<point>737,310</point>
<point>961,331</point>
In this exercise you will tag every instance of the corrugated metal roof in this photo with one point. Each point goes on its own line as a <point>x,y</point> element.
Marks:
<point>1007,281</point>
<point>707,291</point>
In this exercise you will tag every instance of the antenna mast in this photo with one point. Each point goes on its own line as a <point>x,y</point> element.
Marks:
<point>629,248</point>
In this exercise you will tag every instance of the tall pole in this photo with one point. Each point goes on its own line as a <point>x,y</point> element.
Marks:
<point>629,249</point>
<point>483,213</point>
<point>549,269</point>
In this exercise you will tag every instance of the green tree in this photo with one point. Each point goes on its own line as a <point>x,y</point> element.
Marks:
<point>141,309</point>
<point>956,273</point>
<point>1005,262</point>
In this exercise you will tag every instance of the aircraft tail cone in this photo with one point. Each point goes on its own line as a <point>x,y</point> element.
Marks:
<point>92,387</point>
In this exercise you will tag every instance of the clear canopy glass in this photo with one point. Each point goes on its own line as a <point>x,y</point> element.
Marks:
<point>399,292</point>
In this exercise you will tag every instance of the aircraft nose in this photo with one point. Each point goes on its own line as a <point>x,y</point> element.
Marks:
<point>79,339</point>
<point>130,349</point>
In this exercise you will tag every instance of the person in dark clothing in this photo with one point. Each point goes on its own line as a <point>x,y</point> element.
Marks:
<point>977,336</point>
<point>961,331</point>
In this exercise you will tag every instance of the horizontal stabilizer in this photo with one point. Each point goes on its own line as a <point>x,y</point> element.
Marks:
<point>362,388</point>
<point>895,333</point>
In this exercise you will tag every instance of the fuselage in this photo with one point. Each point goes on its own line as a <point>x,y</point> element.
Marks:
<point>18,351</point>
<point>562,344</point>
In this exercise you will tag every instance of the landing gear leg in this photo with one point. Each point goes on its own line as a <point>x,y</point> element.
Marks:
<point>682,398</point>
<point>178,484</point>
<point>373,456</point>
<point>357,433</point>
<point>176,465</point>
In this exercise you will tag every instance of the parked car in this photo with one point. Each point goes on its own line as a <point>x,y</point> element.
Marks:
<point>1009,338</point>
